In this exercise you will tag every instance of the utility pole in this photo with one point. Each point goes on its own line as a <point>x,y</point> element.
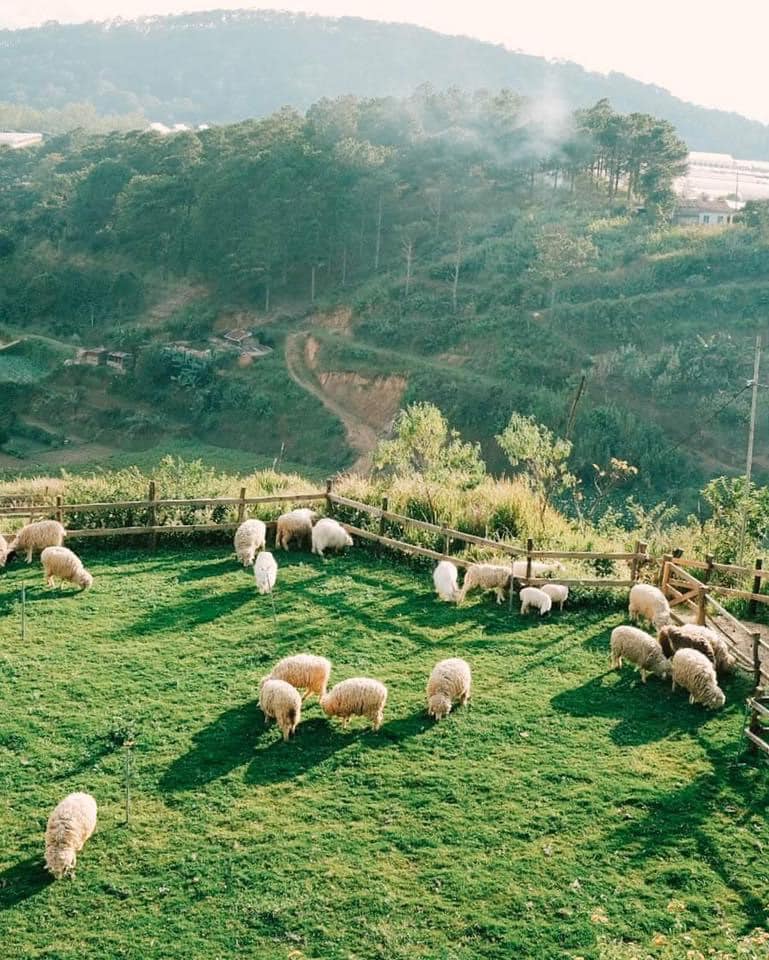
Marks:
<point>751,435</point>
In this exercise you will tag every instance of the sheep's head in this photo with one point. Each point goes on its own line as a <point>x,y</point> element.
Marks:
<point>662,619</point>
<point>439,706</point>
<point>716,700</point>
<point>662,668</point>
<point>348,540</point>
<point>84,580</point>
<point>60,861</point>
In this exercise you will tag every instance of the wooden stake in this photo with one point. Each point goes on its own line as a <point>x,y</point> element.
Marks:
<point>756,663</point>
<point>152,515</point>
<point>702,603</point>
<point>127,780</point>
<point>59,511</point>
<point>529,548</point>
<point>23,613</point>
<point>756,586</point>
<point>242,505</point>
<point>385,508</point>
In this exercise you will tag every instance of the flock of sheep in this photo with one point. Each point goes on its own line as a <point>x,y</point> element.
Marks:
<point>691,655</point>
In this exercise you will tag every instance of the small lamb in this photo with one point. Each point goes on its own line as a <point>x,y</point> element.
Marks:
<point>640,649</point>
<point>305,672</point>
<point>250,536</point>
<point>281,702</point>
<point>650,603</point>
<point>294,525</point>
<point>694,672</point>
<point>445,578</point>
<point>69,826</point>
<point>558,593</point>
<point>61,563</point>
<point>672,638</point>
<point>327,534</point>
<point>358,696</point>
<point>487,576</point>
<point>724,659</point>
<point>532,598</point>
<point>450,681</point>
<point>265,571</point>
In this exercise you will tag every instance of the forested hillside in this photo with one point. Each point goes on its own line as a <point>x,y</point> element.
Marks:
<point>228,66</point>
<point>453,248</point>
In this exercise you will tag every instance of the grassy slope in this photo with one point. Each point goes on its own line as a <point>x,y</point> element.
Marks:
<point>461,841</point>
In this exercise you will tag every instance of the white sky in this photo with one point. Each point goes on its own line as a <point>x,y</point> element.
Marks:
<point>711,53</point>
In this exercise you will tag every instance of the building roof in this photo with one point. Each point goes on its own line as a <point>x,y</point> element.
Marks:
<point>10,138</point>
<point>703,206</point>
<point>119,353</point>
<point>237,335</point>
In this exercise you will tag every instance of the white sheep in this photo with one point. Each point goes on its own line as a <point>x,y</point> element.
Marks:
<point>445,578</point>
<point>281,702</point>
<point>294,525</point>
<point>558,593</point>
<point>532,598</point>
<point>250,536</point>
<point>3,550</point>
<point>650,603</point>
<point>61,563</point>
<point>37,536</point>
<point>358,696</point>
<point>305,672</point>
<point>69,826</point>
<point>486,576</point>
<point>265,571</point>
<point>639,648</point>
<point>327,534</point>
<point>694,672</point>
<point>450,681</point>
<point>539,568</point>
<point>725,661</point>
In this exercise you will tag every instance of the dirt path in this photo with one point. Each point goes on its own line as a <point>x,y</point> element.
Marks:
<point>361,437</point>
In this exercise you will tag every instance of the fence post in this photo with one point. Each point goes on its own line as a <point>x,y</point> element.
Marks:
<point>152,515</point>
<point>512,582</point>
<point>667,559</point>
<point>385,508</point>
<point>709,560</point>
<point>639,556</point>
<point>446,542</point>
<point>529,548</point>
<point>678,553</point>
<point>756,586</point>
<point>59,511</point>
<point>329,504</point>
<point>242,505</point>
<point>702,602</point>
<point>756,662</point>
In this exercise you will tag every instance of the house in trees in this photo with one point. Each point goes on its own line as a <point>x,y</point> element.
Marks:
<point>704,213</point>
<point>9,138</point>
<point>93,357</point>
<point>120,361</point>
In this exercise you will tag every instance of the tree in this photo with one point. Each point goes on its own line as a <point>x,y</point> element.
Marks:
<point>559,255</point>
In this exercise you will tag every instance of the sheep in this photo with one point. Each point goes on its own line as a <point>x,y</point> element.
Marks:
<point>328,534</point>
<point>358,696</point>
<point>694,672</point>
<point>486,576</point>
<point>281,702</point>
<point>249,537</point>
<point>672,638</point>
<point>304,671</point>
<point>639,648</point>
<point>69,826</point>
<point>536,599</point>
<point>66,565</point>
<point>3,551</point>
<point>36,536</point>
<point>445,579</point>
<point>265,571</point>
<point>294,525</point>
<point>539,568</point>
<point>649,602</point>
<point>724,659</point>
<point>449,681</point>
<point>558,593</point>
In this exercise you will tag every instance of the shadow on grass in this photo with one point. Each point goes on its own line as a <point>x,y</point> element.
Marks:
<point>215,568</point>
<point>22,881</point>
<point>193,611</point>
<point>220,747</point>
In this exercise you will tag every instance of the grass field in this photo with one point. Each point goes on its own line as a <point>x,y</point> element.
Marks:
<point>568,812</point>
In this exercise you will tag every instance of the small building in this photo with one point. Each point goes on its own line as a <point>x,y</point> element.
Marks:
<point>9,138</point>
<point>120,361</point>
<point>238,337</point>
<point>704,213</point>
<point>94,357</point>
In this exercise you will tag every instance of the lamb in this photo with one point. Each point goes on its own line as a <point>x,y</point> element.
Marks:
<point>487,576</point>
<point>650,603</point>
<point>725,661</point>
<point>328,534</point>
<point>358,696</point>
<point>539,568</point>
<point>69,826</point>
<point>694,672</point>
<point>249,537</point>
<point>305,672</point>
<point>536,599</point>
<point>639,648</point>
<point>672,638</point>
<point>449,681</point>
<point>265,571</point>
<point>445,579</point>
<point>281,702</point>
<point>558,593</point>
<point>3,551</point>
<point>294,525</point>
<point>66,565</point>
<point>36,536</point>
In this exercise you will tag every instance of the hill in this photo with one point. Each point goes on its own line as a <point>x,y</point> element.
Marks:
<point>227,66</point>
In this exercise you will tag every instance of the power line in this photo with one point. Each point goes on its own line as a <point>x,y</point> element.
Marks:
<point>710,419</point>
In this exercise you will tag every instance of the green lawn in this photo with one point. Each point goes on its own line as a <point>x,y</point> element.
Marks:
<point>568,812</point>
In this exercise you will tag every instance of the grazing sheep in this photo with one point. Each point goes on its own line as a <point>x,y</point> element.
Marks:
<point>305,672</point>
<point>69,826</point>
<point>539,568</point>
<point>281,702</point>
<point>532,598</point>
<point>487,576</point>
<point>725,660</point>
<point>449,681</point>
<point>558,593</point>
<point>265,571</point>
<point>639,648</point>
<point>694,672</point>
<point>672,638</point>
<point>61,563</point>
<point>37,536</point>
<point>3,551</point>
<point>358,696</point>
<point>295,525</point>
<point>650,603</point>
<point>250,536</point>
<point>445,579</point>
<point>327,534</point>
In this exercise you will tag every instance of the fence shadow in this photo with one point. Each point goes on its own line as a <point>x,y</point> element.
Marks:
<point>22,881</point>
<point>192,611</point>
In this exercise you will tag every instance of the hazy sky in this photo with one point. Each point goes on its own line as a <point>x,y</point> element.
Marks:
<point>712,54</point>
